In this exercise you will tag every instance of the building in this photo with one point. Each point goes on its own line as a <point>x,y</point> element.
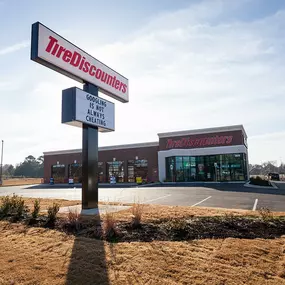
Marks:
<point>213,154</point>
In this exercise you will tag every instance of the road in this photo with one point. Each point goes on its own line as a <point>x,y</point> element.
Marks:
<point>233,196</point>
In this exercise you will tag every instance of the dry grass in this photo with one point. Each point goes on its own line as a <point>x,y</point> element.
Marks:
<point>21,181</point>
<point>40,256</point>
<point>43,256</point>
<point>45,203</point>
<point>158,212</point>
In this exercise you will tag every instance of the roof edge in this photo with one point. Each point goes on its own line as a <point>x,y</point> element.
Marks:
<point>104,148</point>
<point>204,131</point>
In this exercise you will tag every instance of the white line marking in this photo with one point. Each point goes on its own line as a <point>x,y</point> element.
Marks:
<point>255,204</point>
<point>156,199</point>
<point>201,201</point>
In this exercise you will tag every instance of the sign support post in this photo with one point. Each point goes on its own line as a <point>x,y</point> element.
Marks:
<point>90,159</point>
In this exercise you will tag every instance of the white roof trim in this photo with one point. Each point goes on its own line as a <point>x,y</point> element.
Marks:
<point>204,131</point>
<point>104,148</point>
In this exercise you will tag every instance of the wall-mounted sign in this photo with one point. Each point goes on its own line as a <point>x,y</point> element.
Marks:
<point>80,107</point>
<point>55,52</point>
<point>199,142</point>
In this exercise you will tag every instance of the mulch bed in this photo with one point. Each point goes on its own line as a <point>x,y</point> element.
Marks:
<point>175,229</point>
<point>189,229</point>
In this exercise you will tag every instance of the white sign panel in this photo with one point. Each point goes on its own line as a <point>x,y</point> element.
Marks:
<point>94,111</point>
<point>52,50</point>
<point>80,107</point>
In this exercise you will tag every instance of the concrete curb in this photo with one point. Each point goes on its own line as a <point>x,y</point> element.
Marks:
<point>260,187</point>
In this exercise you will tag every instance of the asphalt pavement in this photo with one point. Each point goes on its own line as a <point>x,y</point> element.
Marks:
<point>227,195</point>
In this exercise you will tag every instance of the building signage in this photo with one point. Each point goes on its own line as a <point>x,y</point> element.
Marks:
<point>55,52</point>
<point>80,107</point>
<point>199,142</point>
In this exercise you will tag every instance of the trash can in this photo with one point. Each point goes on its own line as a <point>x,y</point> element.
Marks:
<point>51,181</point>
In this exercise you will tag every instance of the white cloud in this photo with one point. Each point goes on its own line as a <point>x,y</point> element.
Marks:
<point>13,48</point>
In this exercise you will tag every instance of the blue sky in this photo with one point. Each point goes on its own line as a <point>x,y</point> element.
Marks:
<point>191,64</point>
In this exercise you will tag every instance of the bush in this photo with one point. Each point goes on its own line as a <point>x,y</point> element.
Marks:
<point>265,214</point>
<point>259,181</point>
<point>137,211</point>
<point>73,219</point>
<point>37,208</point>
<point>110,226</point>
<point>13,206</point>
<point>52,212</point>
<point>177,227</point>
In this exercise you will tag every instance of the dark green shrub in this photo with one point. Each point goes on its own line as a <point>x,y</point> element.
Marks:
<point>5,206</point>
<point>37,208</point>
<point>13,206</point>
<point>259,181</point>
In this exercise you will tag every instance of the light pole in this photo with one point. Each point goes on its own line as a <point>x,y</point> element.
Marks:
<point>1,169</point>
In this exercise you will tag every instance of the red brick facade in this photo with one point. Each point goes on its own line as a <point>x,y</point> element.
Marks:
<point>148,153</point>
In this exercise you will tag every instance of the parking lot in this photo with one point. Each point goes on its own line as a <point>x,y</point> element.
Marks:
<point>233,196</point>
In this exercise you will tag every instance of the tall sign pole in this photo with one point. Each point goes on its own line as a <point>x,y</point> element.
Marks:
<point>90,159</point>
<point>82,108</point>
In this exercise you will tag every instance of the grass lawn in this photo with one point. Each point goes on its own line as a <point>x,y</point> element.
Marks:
<point>31,255</point>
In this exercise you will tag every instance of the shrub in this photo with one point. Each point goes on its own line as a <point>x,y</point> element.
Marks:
<point>229,218</point>
<point>5,206</point>
<point>110,226</point>
<point>52,212</point>
<point>259,181</point>
<point>13,206</point>
<point>265,214</point>
<point>37,208</point>
<point>137,211</point>
<point>178,227</point>
<point>73,219</point>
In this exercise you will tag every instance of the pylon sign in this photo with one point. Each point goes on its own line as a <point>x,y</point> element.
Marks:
<point>82,108</point>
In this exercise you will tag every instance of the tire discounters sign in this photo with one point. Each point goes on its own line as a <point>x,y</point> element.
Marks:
<point>55,52</point>
<point>80,107</point>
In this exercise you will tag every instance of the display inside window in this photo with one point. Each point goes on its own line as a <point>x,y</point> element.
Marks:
<point>115,169</point>
<point>224,167</point>
<point>137,169</point>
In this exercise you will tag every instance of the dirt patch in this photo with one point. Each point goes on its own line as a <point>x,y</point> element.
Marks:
<point>45,203</point>
<point>21,181</point>
<point>43,256</point>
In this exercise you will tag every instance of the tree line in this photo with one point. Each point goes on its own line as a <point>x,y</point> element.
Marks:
<point>30,167</point>
<point>266,167</point>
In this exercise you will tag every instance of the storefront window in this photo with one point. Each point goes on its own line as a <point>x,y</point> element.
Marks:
<point>58,173</point>
<point>226,167</point>
<point>179,169</point>
<point>116,169</point>
<point>75,172</point>
<point>137,168</point>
